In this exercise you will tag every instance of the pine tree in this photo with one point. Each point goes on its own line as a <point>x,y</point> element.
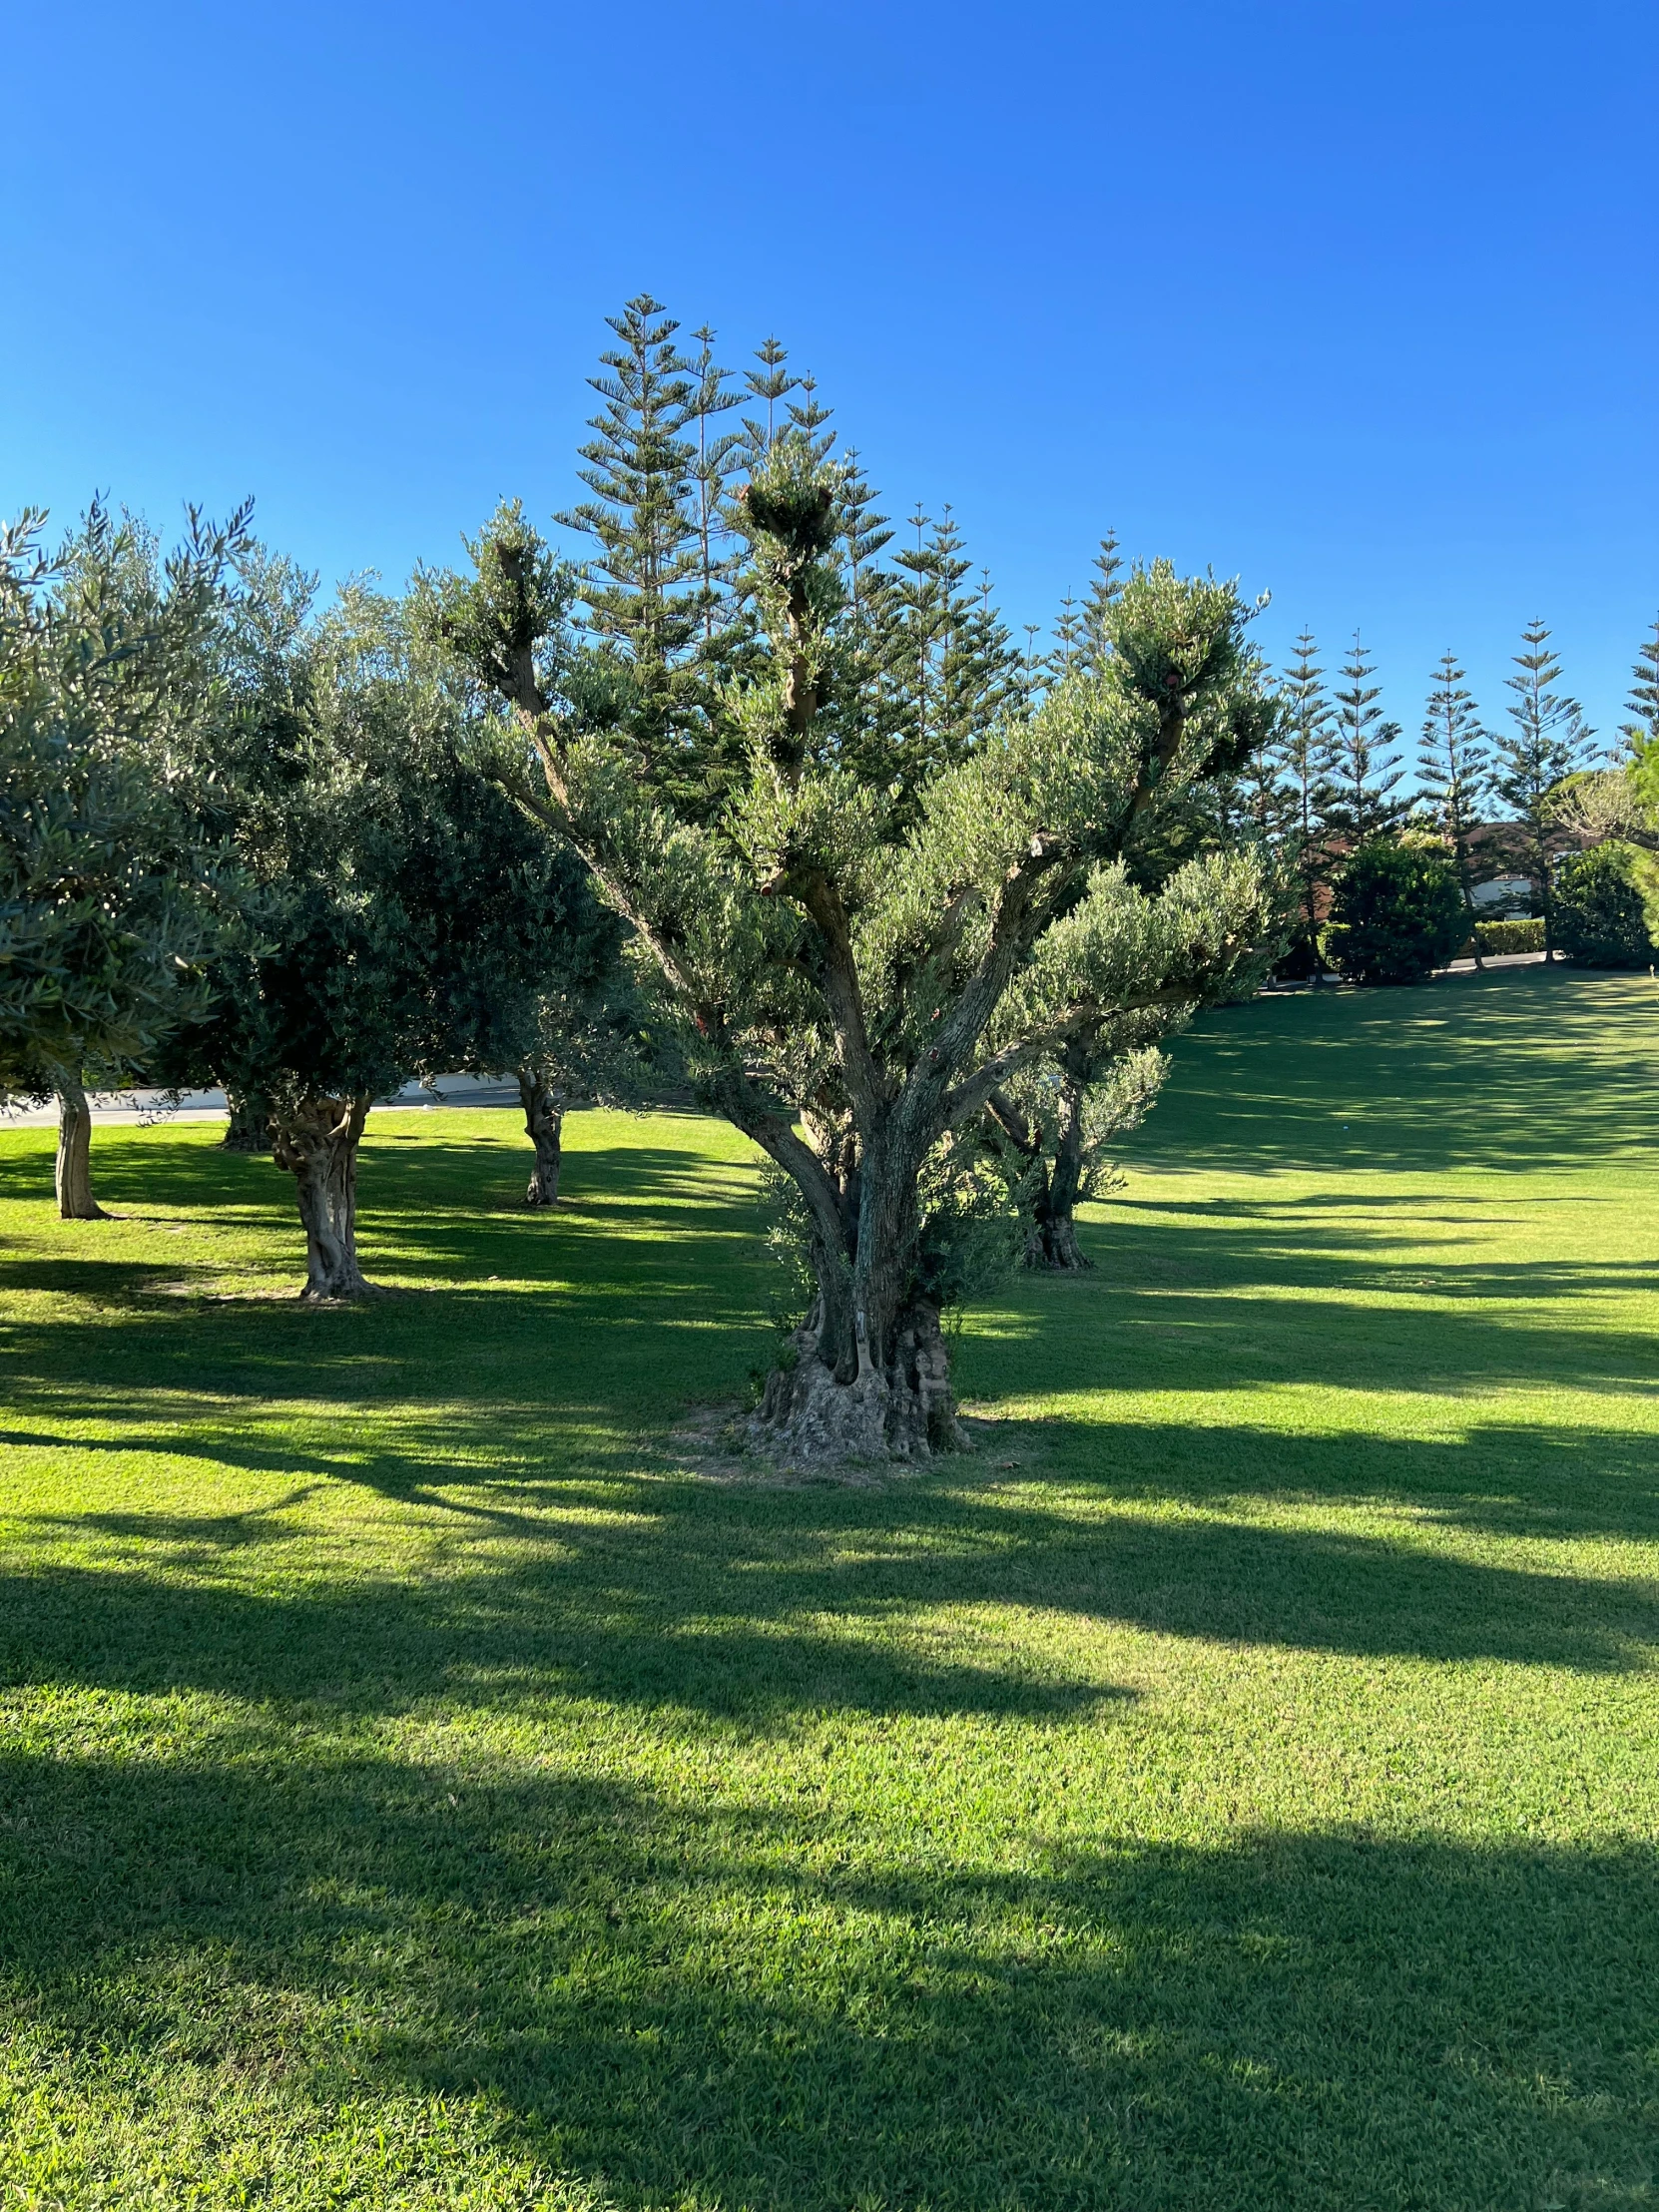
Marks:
<point>1070,641</point>
<point>864,534</point>
<point>1031,672</point>
<point>1264,801</point>
<point>917,618</point>
<point>950,666</point>
<point>771,382</point>
<point>1364,775</point>
<point>643,593</point>
<point>1548,740</point>
<point>1306,756</point>
<point>1104,592</point>
<point>1642,731</point>
<point>1454,772</point>
<point>716,461</point>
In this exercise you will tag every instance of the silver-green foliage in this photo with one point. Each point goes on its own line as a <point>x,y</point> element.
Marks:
<point>856,968</point>
<point>111,887</point>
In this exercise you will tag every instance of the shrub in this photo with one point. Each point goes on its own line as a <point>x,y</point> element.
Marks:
<point>1599,914</point>
<point>1397,913</point>
<point>1511,936</point>
<point>1300,960</point>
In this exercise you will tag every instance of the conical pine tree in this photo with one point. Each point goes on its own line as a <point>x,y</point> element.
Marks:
<point>641,590</point>
<point>718,455</point>
<point>1364,776</point>
<point>1104,592</point>
<point>1547,741</point>
<point>1070,645</point>
<point>1306,754</point>
<point>773,383</point>
<point>1454,773</point>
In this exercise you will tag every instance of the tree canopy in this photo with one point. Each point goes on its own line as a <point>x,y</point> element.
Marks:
<point>857,964</point>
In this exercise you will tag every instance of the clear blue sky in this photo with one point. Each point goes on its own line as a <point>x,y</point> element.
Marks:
<point>1357,302</point>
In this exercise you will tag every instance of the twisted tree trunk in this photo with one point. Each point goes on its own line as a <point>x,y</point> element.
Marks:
<point>868,1376</point>
<point>249,1129</point>
<point>317,1143</point>
<point>1048,1192</point>
<point>544,1120</point>
<point>73,1169</point>
<point>1054,1242</point>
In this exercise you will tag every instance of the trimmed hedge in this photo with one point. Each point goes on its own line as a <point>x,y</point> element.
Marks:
<point>1511,936</point>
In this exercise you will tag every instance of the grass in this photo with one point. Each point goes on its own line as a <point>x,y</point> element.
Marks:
<point>1236,1787</point>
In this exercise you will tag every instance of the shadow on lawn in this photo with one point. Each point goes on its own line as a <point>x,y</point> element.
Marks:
<point>779,2005</point>
<point>451,1185</point>
<point>760,1606</point>
<point>1525,1067</point>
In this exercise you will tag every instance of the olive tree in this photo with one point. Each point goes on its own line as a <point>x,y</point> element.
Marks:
<point>858,965</point>
<point>110,890</point>
<point>408,915</point>
<point>1050,1130</point>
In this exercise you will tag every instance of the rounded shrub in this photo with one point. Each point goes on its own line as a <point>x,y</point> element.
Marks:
<point>1599,914</point>
<point>1396,911</point>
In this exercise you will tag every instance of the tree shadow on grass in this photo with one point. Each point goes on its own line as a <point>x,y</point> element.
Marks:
<point>753,1606</point>
<point>737,2004</point>
<point>1524,1068</point>
<point>406,1181</point>
<point>1223,1295</point>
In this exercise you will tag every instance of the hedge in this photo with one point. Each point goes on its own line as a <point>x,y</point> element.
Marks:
<point>1511,936</point>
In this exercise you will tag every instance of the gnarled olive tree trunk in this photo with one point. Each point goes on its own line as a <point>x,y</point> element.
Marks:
<point>1053,1239</point>
<point>1050,1189</point>
<point>544,1121</point>
<point>315,1141</point>
<point>867,1376</point>
<point>73,1169</point>
<point>249,1129</point>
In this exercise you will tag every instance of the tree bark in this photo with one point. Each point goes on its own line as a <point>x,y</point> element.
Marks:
<point>1053,1242</point>
<point>544,1119</point>
<point>868,1376</point>
<point>1466,881</point>
<point>73,1169</point>
<point>903,1409</point>
<point>249,1129</point>
<point>317,1143</point>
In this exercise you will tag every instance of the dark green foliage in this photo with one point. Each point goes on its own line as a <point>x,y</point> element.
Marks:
<point>1600,917</point>
<point>1642,731</point>
<point>1361,797</point>
<point>1306,759</point>
<point>1454,771</point>
<point>411,912</point>
<point>1547,742</point>
<point>658,588</point>
<point>1396,912</point>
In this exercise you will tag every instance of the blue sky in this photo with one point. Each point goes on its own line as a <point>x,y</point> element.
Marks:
<point>1355,301</point>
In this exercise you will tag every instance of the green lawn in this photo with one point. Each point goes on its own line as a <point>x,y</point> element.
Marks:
<point>1237,1786</point>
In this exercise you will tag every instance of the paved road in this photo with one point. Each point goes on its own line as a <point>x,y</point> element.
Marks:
<point>150,1106</point>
